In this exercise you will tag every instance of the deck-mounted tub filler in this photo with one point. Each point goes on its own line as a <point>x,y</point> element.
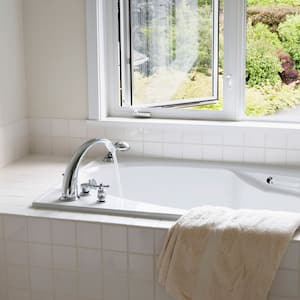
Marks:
<point>164,188</point>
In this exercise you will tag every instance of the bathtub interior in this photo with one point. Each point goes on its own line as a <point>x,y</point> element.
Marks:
<point>167,188</point>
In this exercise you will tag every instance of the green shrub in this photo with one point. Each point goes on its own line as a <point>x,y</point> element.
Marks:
<point>271,15</point>
<point>264,101</point>
<point>289,33</point>
<point>273,2</point>
<point>270,99</point>
<point>262,63</point>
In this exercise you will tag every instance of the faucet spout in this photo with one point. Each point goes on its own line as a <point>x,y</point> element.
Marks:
<point>70,181</point>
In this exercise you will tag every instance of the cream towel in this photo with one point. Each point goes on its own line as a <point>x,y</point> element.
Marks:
<point>216,253</point>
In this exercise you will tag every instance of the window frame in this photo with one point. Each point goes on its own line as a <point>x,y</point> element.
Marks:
<point>103,71</point>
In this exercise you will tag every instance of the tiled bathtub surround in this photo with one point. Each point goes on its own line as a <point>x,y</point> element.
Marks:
<point>202,142</point>
<point>52,259</point>
<point>14,141</point>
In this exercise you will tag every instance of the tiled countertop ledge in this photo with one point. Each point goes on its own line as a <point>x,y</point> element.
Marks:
<point>25,180</point>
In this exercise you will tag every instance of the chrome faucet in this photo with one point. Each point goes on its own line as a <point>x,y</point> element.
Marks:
<point>70,181</point>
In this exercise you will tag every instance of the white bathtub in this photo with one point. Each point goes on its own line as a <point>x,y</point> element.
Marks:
<point>165,189</point>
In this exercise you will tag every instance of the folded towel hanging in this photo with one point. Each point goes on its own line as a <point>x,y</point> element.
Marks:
<point>217,253</point>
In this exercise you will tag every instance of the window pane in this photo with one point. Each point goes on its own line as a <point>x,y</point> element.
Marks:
<point>172,48</point>
<point>273,59</point>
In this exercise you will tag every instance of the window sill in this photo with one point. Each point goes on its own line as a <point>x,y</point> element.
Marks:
<point>113,121</point>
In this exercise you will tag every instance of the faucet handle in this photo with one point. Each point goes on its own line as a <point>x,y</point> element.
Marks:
<point>101,192</point>
<point>86,187</point>
<point>93,183</point>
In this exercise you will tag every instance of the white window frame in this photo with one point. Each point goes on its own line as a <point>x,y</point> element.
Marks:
<point>103,73</point>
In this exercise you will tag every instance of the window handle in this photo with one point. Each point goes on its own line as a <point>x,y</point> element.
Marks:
<point>228,79</point>
<point>141,114</point>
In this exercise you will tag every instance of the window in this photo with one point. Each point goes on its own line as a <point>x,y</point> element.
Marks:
<point>194,59</point>
<point>170,42</point>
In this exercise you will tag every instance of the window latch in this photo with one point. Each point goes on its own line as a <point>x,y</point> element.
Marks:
<point>142,114</point>
<point>228,78</point>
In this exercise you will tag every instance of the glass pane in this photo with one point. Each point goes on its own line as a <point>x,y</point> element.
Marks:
<point>273,59</point>
<point>172,51</point>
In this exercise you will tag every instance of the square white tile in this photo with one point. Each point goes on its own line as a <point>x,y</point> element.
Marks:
<point>63,232</point>
<point>40,255</point>
<point>254,155</point>
<point>90,286</point>
<point>141,289</point>
<point>172,150</point>
<point>192,136</point>
<point>18,277</point>
<point>41,279</point>
<point>275,156</point>
<point>61,146</point>
<point>192,151</point>
<point>141,240</point>
<point>234,154</point>
<point>59,128</point>
<point>114,263</point>
<point>254,138</point>
<point>89,260</point>
<point>114,237</point>
<point>77,128</point>
<point>233,138</point>
<point>65,283</point>
<point>15,228</point>
<point>88,235</point>
<point>18,294</point>
<point>154,149</point>
<point>17,253</point>
<point>153,135</point>
<point>212,153</point>
<point>212,138</point>
<point>141,266</point>
<point>273,140</point>
<point>65,258</point>
<point>95,131</point>
<point>110,281</point>
<point>39,230</point>
<point>172,135</point>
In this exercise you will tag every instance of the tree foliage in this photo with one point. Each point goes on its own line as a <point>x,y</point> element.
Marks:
<point>289,33</point>
<point>262,64</point>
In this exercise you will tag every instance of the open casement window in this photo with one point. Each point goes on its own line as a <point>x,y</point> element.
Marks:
<point>176,59</point>
<point>164,46</point>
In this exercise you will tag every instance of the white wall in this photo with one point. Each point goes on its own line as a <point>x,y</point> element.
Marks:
<point>55,51</point>
<point>13,106</point>
<point>12,73</point>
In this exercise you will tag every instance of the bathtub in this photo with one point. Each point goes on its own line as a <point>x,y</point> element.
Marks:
<point>166,189</point>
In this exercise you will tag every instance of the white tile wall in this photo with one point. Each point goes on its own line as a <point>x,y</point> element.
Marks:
<point>232,144</point>
<point>14,141</point>
<point>119,264</point>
